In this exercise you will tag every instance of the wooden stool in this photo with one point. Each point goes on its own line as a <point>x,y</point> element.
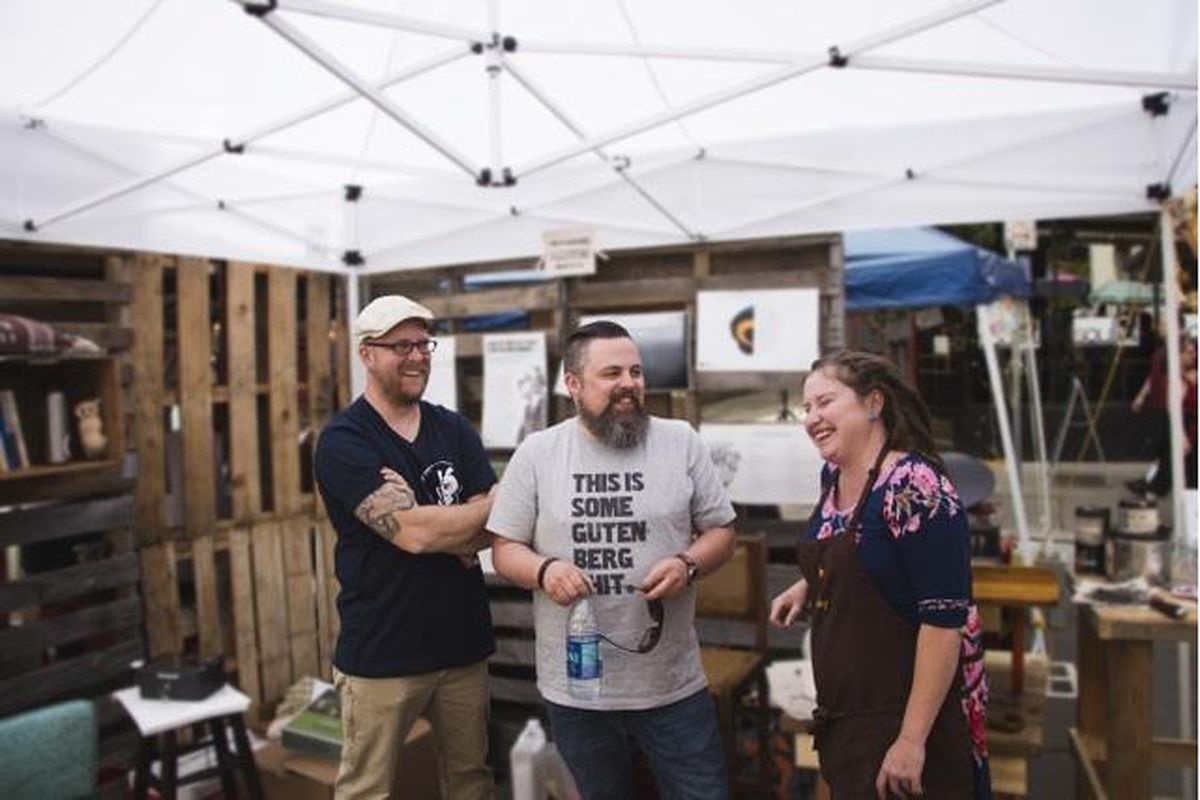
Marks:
<point>159,722</point>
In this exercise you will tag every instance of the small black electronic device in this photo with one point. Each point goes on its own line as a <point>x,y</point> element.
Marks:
<point>180,677</point>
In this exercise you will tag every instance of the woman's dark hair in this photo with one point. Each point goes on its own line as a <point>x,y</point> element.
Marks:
<point>579,338</point>
<point>905,415</point>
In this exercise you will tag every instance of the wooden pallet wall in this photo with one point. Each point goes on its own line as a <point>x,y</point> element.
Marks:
<point>70,613</point>
<point>253,358</point>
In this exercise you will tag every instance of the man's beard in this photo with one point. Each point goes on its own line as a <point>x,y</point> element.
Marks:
<point>622,430</point>
<point>393,388</point>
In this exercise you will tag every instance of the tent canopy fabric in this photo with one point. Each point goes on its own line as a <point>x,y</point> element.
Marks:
<point>915,267</point>
<point>468,129</point>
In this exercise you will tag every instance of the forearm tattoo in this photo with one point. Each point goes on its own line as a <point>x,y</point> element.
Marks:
<point>379,508</point>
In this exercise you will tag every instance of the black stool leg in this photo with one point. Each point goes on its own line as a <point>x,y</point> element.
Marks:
<point>245,756</point>
<point>170,765</point>
<point>142,774</point>
<point>225,762</point>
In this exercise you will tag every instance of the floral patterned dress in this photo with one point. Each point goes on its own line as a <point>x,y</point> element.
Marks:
<point>913,542</point>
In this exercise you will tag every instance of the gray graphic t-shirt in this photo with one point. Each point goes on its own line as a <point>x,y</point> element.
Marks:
<point>614,514</point>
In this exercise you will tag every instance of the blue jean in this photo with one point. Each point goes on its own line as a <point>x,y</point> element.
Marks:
<point>680,740</point>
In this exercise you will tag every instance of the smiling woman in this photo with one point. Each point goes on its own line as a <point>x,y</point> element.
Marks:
<point>886,573</point>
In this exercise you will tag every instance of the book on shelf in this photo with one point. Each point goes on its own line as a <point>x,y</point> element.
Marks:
<point>14,439</point>
<point>318,728</point>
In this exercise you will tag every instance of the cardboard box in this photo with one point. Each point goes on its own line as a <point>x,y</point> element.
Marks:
<point>287,775</point>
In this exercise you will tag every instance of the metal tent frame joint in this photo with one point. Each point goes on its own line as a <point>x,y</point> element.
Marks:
<point>836,59</point>
<point>1157,104</point>
<point>1158,191</point>
<point>353,192</point>
<point>233,149</point>
<point>258,8</point>
<point>353,258</point>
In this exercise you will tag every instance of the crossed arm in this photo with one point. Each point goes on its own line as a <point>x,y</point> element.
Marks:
<point>393,513</point>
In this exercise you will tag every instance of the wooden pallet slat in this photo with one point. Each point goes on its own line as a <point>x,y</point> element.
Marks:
<point>147,412</point>
<point>245,485</point>
<point>241,574</point>
<point>321,378</point>
<point>22,287</point>
<point>199,485</point>
<point>326,590</point>
<point>69,675</point>
<point>270,595</point>
<point>285,426</point>
<point>160,596</point>
<point>58,585</point>
<point>46,523</point>
<point>301,601</point>
<point>123,614</point>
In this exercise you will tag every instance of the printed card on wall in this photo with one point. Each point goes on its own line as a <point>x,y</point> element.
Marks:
<point>442,388</point>
<point>770,330</point>
<point>766,464</point>
<point>514,387</point>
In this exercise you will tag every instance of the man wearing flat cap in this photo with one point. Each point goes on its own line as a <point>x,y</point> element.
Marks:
<point>407,486</point>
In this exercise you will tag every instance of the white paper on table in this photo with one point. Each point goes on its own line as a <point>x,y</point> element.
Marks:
<point>792,687</point>
<point>764,464</point>
<point>442,388</point>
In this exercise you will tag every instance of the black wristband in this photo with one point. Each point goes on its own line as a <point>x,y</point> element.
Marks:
<point>541,576</point>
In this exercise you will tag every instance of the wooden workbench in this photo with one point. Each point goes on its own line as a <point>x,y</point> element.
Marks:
<point>1015,590</point>
<point>1114,743</point>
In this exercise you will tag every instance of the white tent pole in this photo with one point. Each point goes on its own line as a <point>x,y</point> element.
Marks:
<point>395,21</point>
<point>1170,277</point>
<point>358,374</point>
<point>621,170</point>
<point>1039,432</point>
<point>78,147</point>
<point>493,65</point>
<point>131,185</point>
<point>376,97</point>
<point>219,149</point>
<point>988,342</point>
<point>1098,77</point>
<point>757,84</point>
<point>1170,273</point>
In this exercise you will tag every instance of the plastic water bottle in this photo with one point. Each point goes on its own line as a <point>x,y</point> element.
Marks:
<point>584,669</point>
<point>527,750</point>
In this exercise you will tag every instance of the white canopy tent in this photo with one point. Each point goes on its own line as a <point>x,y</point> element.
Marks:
<point>190,126</point>
<point>373,136</point>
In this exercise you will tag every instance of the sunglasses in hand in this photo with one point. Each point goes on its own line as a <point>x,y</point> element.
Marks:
<point>652,634</point>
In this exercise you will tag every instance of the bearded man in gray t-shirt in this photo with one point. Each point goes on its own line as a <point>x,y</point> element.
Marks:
<point>627,510</point>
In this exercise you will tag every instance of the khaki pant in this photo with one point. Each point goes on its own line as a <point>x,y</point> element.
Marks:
<point>377,714</point>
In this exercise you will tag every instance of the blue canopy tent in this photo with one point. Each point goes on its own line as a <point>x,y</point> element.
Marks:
<point>914,267</point>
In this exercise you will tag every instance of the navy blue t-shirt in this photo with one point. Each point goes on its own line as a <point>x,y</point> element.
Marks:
<point>403,614</point>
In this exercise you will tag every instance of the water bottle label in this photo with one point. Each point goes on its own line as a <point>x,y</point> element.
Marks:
<point>583,658</point>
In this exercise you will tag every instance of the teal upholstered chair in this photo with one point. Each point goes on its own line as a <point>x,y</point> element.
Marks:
<point>49,753</point>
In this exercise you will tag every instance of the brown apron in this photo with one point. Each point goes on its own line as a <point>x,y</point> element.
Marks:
<point>863,654</point>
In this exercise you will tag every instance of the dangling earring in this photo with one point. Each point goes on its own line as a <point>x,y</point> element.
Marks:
<point>872,416</point>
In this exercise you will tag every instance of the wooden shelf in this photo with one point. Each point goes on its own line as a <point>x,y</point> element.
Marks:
<point>59,470</point>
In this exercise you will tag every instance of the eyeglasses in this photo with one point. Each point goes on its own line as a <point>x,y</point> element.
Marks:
<point>651,636</point>
<point>405,346</point>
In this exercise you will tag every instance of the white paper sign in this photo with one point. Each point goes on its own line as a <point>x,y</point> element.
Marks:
<point>771,330</point>
<point>569,251</point>
<point>442,388</point>
<point>768,464</point>
<point>1020,234</point>
<point>514,387</point>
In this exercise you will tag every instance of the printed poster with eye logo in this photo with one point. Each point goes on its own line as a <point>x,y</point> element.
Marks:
<point>515,392</point>
<point>762,330</point>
